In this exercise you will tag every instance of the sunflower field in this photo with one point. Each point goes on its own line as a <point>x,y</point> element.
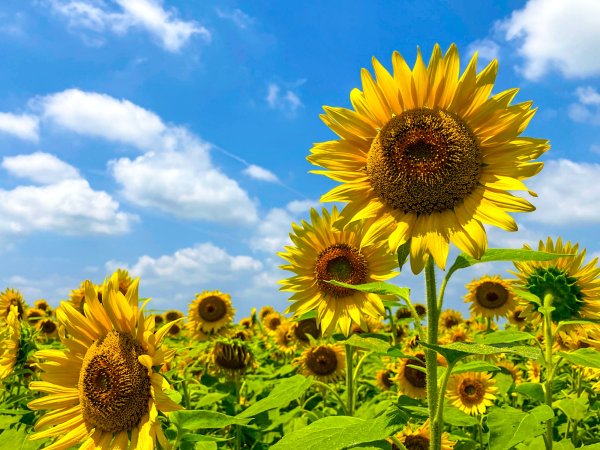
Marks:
<point>425,157</point>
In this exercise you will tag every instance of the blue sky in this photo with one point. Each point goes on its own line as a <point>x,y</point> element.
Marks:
<point>170,137</point>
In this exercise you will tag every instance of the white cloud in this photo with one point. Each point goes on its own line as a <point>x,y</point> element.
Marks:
<point>587,108</point>
<point>100,115</point>
<point>260,173</point>
<point>487,49</point>
<point>123,15</point>
<point>237,16</point>
<point>302,206</point>
<point>568,194</point>
<point>557,35</point>
<point>182,184</point>
<point>283,99</point>
<point>23,126</point>
<point>39,167</point>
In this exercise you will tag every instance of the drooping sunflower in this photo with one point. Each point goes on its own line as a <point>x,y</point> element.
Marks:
<point>264,311</point>
<point>575,287</point>
<point>305,328</point>
<point>431,153</point>
<point>231,357</point>
<point>472,392</point>
<point>10,337</point>
<point>104,391</point>
<point>211,311</point>
<point>324,362</point>
<point>285,338</point>
<point>322,253</point>
<point>419,439</point>
<point>172,315</point>
<point>12,297</point>
<point>490,297</point>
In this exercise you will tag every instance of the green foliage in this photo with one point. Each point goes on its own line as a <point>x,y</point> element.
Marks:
<point>586,357</point>
<point>509,426</point>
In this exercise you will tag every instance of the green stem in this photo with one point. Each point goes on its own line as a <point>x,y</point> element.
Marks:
<point>335,394</point>
<point>431,356</point>
<point>356,372</point>
<point>579,376</point>
<point>480,429</point>
<point>442,393</point>
<point>397,442</point>
<point>186,392</point>
<point>440,303</point>
<point>238,428</point>
<point>392,326</point>
<point>349,380</point>
<point>548,342</point>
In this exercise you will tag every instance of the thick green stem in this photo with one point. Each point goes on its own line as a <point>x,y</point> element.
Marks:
<point>442,393</point>
<point>431,356</point>
<point>480,430</point>
<point>440,303</point>
<point>349,380</point>
<point>548,342</point>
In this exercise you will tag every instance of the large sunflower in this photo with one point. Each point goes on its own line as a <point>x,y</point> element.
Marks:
<point>322,253</point>
<point>575,287</point>
<point>431,153</point>
<point>104,390</point>
<point>210,312</point>
<point>12,297</point>
<point>10,336</point>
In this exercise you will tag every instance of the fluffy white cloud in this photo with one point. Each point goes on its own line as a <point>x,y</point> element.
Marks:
<point>568,194</point>
<point>557,35</point>
<point>284,100</point>
<point>23,126</point>
<point>100,115</point>
<point>237,16</point>
<point>150,15</point>
<point>260,173</point>
<point>587,107</point>
<point>182,184</point>
<point>39,167</point>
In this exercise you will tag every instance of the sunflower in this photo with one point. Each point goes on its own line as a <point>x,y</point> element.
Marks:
<point>34,315</point>
<point>172,315</point>
<point>431,153</point>
<point>512,369</point>
<point>324,362</point>
<point>159,320</point>
<point>232,357</point>
<point>459,333</point>
<point>285,338</point>
<point>211,312</point>
<point>47,328</point>
<point>575,287</point>
<point>77,296</point>
<point>385,378</point>
<point>264,311</point>
<point>305,328</point>
<point>43,305</point>
<point>419,439</point>
<point>104,391</point>
<point>124,280</point>
<point>490,297</point>
<point>12,297</point>
<point>450,318</point>
<point>412,381</point>
<point>515,317</point>
<point>472,392</point>
<point>10,337</point>
<point>322,253</point>
<point>534,370</point>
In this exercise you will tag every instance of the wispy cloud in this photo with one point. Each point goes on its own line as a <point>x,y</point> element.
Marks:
<point>282,99</point>
<point>120,16</point>
<point>23,126</point>
<point>237,16</point>
<point>260,173</point>
<point>587,107</point>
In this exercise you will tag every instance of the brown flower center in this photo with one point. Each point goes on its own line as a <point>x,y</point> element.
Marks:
<point>343,263</point>
<point>231,356</point>
<point>306,327</point>
<point>212,308</point>
<point>415,376</point>
<point>492,295</point>
<point>472,391</point>
<point>416,442</point>
<point>424,161</point>
<point>48,326</point>
<point>114,388</point>
<point>322,361</point>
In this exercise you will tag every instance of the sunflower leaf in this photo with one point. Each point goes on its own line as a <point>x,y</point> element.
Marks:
<point>506,336</point>
<point>374,342</point>
<point>532,390</point>
<point>475,366</point>
<point>377,287</point>
<point>520,426</point>
<point>194,420</point>
<point>458,350</point>
<point>403,252</point>
<point>586,357</point>
<point>526,295</point>
<point>501,254</point>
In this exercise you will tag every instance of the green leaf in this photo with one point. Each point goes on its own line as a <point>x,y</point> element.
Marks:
<point>377,287</point>
<point>457,350</point>
<point>520,426</point>
<point>475,366</point>
<point>501,254</point>
<point>403,252</point>
<point>458,418</point>
<point>374,342</point>
<point>312,314</point>
<point>505,337</point>
<point>16,439</point>
<point>191,437</point>
<point>526,295</point>
<point>205,446</point>
<point>193,420</point>
<point>586,357</point>
<point>574,408</point>
<point>532,390</point>
<point>286,391</point>
<point>209,399</point>
<point>591,447</point>
<point>565,444</point>
<point>340,432</point>
<point>396,352</point>
<point>378,445</point>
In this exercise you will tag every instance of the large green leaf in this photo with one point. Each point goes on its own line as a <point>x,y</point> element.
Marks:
<point>458,350</point>
<point>455,417</point>
<point>501,254</point>
<point>576,408</point>
<point>532,390</point>
<point>505,337</point>
<point>586,357</point>
<point>286,391</point>
<point>510,426</point>
<point>16,439</point>
<point>475,366</point>
<point>374,342</point>
<point>194,420</point>
<point>340,432</point>
<point>377,287</point>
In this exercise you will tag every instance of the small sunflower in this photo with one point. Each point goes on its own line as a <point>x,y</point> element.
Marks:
<point>125,280</point>
<point>490,297</point>
<point>575,287</point>
<point>412,381</point>
<point>419,439</point>
<point>305,328</point>
<point>512,369</point>
<point>403,313</point>
<point>77,296</point>
<point>516,318</point>
<point>172,315</point>
<point>431,154</point>
<point>246,323</point>
<point>534,370</point>
<point>322,253</point>
<point>285,338</point>
<point>10,337</point>
<point>232,357</point>
<point>272,321</point>
<point>47,327</point>
<point>264,311</point>
<point>324,362</point>
<point>12,297</point>
<point>211,312</point>
<point>43,305</point>
<point>459,333</point>
<point>385,378</point>
<point>104,391</point>
<point>450,318</point>
<point>472,392</point>
<point>159,320</point>
<point>34,315</point>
